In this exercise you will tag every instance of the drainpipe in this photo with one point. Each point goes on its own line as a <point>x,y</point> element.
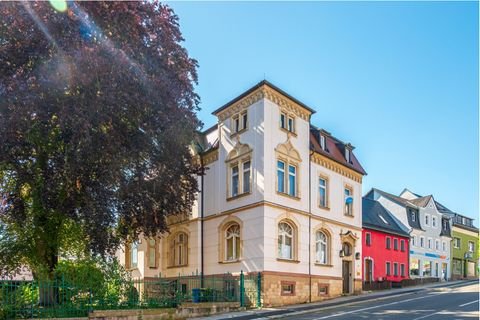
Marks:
<point>310,226</point>
<point>202,197</point>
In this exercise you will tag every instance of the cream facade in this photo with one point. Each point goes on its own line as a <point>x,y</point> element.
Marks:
<point>279,197</point>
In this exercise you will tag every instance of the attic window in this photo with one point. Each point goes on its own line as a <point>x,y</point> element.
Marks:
<point>383,219</point>
<point>347,155</point>
<point>322,141</point>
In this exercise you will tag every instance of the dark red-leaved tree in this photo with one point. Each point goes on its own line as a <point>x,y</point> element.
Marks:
<point>97,113</point>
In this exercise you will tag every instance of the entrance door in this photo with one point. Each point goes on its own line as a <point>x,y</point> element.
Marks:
<point>444,271</point>
<point>346,276</point>
<point>368,270</point>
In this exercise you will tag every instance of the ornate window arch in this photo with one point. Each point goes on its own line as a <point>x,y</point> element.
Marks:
<point>239,170</point>
<point>287,240</point>
<point>179,249</point>
<point>232,242</point>
<point>288,164</point>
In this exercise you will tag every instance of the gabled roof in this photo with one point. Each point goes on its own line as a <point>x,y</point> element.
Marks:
<point>375,216</point>
<point>333,149</point>
<point>422,201</point>
<point>255,87</point>
<point>399,200</point>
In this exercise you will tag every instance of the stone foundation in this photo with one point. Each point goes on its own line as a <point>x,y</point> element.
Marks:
<point>322,288</point>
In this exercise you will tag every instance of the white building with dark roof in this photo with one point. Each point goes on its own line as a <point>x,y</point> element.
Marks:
<point>279,196</point>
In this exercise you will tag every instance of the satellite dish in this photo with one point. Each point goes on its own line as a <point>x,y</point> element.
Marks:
<point>348,200</point>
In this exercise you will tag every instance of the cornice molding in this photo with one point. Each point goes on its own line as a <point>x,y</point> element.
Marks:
<point>265,92</point>
<point>336,167</point>
<point>210,157</point>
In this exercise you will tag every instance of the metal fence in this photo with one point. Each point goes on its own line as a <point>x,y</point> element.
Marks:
<point>59,299</point>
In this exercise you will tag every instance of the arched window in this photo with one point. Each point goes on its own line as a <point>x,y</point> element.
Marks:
<point>232,242</point>
<point>285,240</point>
<point>321,247</point>
<point>179,250</point>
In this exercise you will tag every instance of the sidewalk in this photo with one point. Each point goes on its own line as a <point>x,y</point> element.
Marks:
<point>290,310</point>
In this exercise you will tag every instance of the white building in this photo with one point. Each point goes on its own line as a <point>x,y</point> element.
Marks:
<point>279,197</point>
<point>429,230</point>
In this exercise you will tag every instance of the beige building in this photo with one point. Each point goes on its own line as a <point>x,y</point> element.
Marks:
<point>280,197</point>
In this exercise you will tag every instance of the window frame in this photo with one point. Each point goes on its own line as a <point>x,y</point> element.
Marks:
<point>455,241</point>
<point>402,270</point>
<point>287,164</point>
<point>153,248</point>
<point>395,244</point>
<point>293,237</point>
<point>291,284</point>
<point>348,208</point>
<point>395,269</point>
<point>239,163</point>
<point>422,242</point>
<point>239,122</point>
<point>326,191</point>
<point>289,122</point>
<point>388,243</point>
<point>387,268</point>
<point>402,245</point>
<point>327,244</point>
<point>180,258</point>
<point>472,249</point>
<point>236,241</point>
<point>368,239</point>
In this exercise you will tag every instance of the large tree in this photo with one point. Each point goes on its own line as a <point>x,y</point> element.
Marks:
<point>97,112</point>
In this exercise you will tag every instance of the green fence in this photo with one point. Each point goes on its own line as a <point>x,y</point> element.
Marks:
<point>57,299</point>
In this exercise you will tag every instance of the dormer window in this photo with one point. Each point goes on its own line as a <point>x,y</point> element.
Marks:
<point>322,142</point>
<point>240,122</point>
<point>347,155</point>
<point>287,122</point>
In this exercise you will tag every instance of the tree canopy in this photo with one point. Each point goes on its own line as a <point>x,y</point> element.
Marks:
<point>97,113</point>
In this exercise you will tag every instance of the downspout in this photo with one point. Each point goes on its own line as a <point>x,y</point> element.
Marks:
<point>310,226</point>
<point>202,197</point>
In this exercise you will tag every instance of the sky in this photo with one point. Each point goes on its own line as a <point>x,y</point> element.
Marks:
<point>398,80</point>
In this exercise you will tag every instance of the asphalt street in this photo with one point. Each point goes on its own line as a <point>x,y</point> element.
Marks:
<point>459,302</point>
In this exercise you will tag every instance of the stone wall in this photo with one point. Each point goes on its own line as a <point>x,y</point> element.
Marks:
<point>322,288</point>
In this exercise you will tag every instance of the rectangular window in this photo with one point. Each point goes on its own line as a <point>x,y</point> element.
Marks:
<point>456,243</point>
<point>280,176</point>
<point>471,246</point>
<point>395,269</point>
<point>322,289</point>
<point>427,268</point>
<point>348,202</point>
<point>444,246</point>
<point>402,270</point>
<point>368,239</point>
<point>291,125</point>
<point>445,224</point>
<point>246,177</point>
<point>387,268</point>
<point>426,219</point>
<point>283,121</point>
<point>152,253</point>
<point>402,245</point>
<point>387,244</point>
<point>429,242</point>
<point>395,244</point>
<point>415,267</point>
<point>244,120</point>
<point>322,142</point>
<point>236,123</point>
<point>412,215</point>
<point>437,245</point>
<point>347,155</point>
<point>134,254</point>
<point>434,222</point>
<point>422,242</point>
<point>322,188</point>
<point>414,241</point>
<point>235,180</point>
<point>288,288</point>
<point>292,172</point>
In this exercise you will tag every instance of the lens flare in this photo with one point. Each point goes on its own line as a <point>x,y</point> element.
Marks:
<point>59,5</point>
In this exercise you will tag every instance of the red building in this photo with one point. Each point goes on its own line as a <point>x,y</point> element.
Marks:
<point>385,244</point>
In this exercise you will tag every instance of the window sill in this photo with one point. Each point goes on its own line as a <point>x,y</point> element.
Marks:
<point>230,261</point>
<point>288,196</point>
<point>288,260</point>
<point>233,135</point>
<point>179,266</point>
<point>324,208</point>
<point>349,215</point>
<point>239,196</point>
<point>288,131</point>
<point>318,264</point>
<point>131,269</point>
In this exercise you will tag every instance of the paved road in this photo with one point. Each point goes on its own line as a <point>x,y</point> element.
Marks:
<point>459,302</point>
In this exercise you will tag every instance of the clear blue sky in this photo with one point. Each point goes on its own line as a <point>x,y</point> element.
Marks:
<point>399,80</point>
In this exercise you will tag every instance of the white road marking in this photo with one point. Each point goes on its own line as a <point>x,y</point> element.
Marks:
<point>426,316</point>
<point>466,304</point>
<point>369,308</point>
